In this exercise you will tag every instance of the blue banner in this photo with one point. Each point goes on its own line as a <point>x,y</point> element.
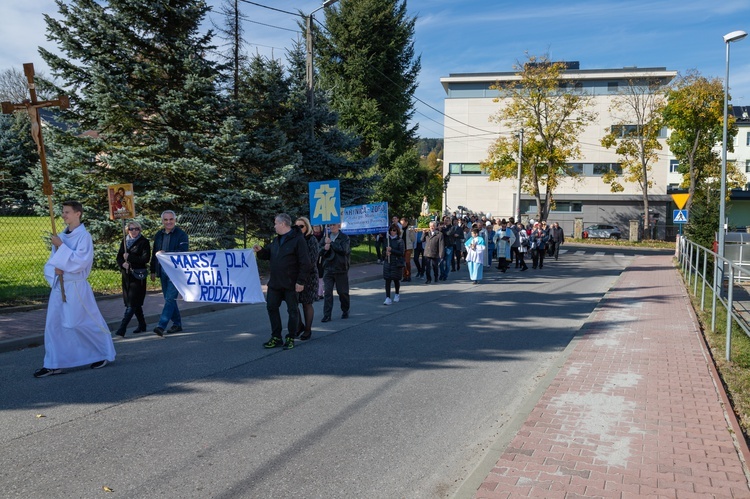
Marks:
<point>365,219</point>
<point>325,202</point>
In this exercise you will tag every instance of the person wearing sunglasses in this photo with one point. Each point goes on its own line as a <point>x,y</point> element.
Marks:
<point>133,258</point>
<point>308,295</point>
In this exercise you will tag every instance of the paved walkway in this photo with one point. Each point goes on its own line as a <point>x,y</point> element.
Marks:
<point>636,410</point>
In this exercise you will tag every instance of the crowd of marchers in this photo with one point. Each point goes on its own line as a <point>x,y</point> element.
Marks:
<point>306,264</point>
<point>479,242</point>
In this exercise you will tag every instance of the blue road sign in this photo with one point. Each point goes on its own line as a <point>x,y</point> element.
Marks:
<point>680,216</point>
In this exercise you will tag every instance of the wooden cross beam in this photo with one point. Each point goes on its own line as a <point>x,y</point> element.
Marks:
<point>32,107</point>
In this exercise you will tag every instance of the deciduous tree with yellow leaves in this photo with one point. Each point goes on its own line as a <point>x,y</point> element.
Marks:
<point>552,113</point>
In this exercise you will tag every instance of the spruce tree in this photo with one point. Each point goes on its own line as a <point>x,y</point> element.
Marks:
<point>326,152</point>
<point>144,102</point>
<point>367,63</point>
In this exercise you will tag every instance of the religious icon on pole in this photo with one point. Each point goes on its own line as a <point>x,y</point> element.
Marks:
<point>121,201</point>
<point>32,107</point>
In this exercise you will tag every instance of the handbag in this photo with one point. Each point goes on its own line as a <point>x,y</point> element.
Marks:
<point>139,274</point>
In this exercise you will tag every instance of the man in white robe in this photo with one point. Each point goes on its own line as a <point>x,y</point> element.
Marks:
<point>75,333</point>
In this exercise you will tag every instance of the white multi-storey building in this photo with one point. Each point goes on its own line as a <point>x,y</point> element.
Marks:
<point>469,132</point>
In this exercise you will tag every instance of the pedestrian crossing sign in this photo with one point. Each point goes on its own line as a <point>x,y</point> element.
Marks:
<point>680,216</point>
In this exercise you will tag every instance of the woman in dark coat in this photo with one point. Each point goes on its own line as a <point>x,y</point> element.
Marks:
<point>308,295</point>
<point>393,265</point>
<point>132,259</point>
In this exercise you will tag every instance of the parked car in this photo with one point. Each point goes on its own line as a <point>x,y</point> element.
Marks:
<point>602,231</point>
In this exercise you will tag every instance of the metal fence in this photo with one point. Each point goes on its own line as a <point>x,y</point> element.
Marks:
<point>720,279</point>
<point>25,247</point>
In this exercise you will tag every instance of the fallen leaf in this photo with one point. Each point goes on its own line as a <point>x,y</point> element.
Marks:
<point>41,416</point>
<point>107,489</point>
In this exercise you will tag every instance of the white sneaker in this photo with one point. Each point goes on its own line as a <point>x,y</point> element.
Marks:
<point>387,301</point>
<point>396,298</point>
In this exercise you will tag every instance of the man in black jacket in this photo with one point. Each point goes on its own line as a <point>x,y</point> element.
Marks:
<point>290,268</point>
<point>335,250</point>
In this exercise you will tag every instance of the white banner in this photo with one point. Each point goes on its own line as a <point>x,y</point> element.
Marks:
<point>365,218</point>
<point>226,276</point>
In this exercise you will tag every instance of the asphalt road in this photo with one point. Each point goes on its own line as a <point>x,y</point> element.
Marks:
<point>399,401</point>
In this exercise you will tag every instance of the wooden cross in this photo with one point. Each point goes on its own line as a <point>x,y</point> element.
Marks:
<point>32,107</point>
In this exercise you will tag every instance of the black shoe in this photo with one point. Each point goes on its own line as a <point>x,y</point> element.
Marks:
<point>99,365</point>
<point>428,281</point>
<point>140,329</point>
<point>174,329</point>
<point>305,336</point>
<point>325,319</point>
<point>345,315</point>
<point>408,279</point>
<point>288,343</point>
<point>44,372</point>
<point>159,331</point>
<point>274,342</point>
<point>121,334</point>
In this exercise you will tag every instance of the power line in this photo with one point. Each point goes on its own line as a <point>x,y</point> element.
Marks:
<point>272,8</point>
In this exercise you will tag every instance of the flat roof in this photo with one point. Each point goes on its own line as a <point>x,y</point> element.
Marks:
<point>568,74</point>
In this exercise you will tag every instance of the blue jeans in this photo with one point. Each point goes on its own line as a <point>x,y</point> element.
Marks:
<point>445,263</point>
<point>170,311</point>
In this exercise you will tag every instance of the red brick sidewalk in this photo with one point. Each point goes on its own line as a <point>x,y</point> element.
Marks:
<point>635,410</point>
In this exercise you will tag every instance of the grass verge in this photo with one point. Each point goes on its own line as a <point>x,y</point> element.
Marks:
<point>735,374</point>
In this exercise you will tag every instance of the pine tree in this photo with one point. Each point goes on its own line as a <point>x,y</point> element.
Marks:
<point>326,152</point>
<point>140,83</point>
<point>367,62</point>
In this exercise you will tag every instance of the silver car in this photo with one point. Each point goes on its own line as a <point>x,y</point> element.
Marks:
<point>602,231</point>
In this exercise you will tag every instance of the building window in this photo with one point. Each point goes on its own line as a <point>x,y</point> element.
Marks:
<point>612,87</point>
<point>568,207</point>
<point>674,164</point>
<point>603,168</point>
<point>747,140</point>
<point>466,169</point>
<point>595,169</point>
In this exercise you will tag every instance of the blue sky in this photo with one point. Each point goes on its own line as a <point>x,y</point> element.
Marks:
<point>476,36</point>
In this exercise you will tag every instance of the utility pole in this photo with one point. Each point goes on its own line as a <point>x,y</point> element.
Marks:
<point>309,65</point>
<point>518,189</point>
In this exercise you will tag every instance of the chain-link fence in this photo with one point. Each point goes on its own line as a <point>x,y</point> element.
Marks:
<point>25,247</point>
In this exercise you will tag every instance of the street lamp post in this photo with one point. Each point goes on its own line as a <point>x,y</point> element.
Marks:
<point>309,69</point>
<point>728,38</point>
